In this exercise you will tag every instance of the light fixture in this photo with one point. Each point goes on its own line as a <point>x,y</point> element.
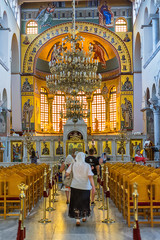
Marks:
<point>72,71</point>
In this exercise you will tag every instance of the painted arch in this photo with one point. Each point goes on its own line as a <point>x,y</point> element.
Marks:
<point>59,31</point>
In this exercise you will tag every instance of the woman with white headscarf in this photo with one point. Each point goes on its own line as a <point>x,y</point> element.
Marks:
<point>69,160</point>
<point>81,185</point>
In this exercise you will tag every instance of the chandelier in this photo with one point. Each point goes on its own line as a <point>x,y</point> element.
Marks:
<point>72,71</point>
<point>74,109</point>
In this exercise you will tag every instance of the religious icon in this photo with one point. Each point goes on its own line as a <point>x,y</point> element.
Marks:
<point>75,146</point>
<point>16,151</point>
<point>34,50</point>
<point>126,39</point>
<point>45,148</point>
<point>59,148</point>
<point>27,114</point>
<point>127,86</point>
<point>104,89</point>
<point>105,14</point>
<point>93,144</point>
<point>27,87</point>
<point>121,148</point>
<point>107,147</point>
<point>127,113</point>
<point>45,15</point>
<point>26,41</point>
<point>135,144</point>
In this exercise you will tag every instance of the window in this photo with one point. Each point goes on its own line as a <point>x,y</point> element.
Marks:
<point>121,25</point>
<point>82,98</point>
<point>58,106</point>
<point>44,109</point>
<point>89,14</point>
<point>63,15</point>
<point>98,111</point>
<point>112,109</point>
<point>80,14</point>
<point>32,27</point>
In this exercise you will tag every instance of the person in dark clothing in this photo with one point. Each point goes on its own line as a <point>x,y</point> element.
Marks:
<point>33,157</point>
<point>94,163</point>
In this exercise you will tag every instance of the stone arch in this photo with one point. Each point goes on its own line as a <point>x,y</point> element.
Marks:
<point>148,39</point>
<point>14,55</point>
<point>43,38</point>
<point>137,54</point>
<point>4,40</point>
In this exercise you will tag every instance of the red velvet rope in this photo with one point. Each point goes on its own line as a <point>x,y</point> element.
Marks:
<point>45,194</point>
<point>102,182</point>
<point>52,182</point>
<point>50,185</point>
<point>136,232</point>
<point>21,234</point>
<point>107,194</point>
<point>98,179</point>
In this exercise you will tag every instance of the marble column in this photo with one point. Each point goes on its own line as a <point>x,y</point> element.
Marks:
<point>156,113</point>
<point>155,30</point>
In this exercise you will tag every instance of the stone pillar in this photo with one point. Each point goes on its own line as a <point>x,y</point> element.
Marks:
<point>156,113</point>
<point>155,30</point>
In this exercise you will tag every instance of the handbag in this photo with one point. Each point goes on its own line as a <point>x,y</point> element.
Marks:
<point>68,180</point>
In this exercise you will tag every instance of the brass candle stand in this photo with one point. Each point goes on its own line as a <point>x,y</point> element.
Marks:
<point>50,209</point>
<point>22,187</point>
<point>44,219</point>
<point>107,220</point>
<point>103,207</point>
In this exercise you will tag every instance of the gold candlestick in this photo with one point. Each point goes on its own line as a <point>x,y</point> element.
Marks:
<point>50,209</point>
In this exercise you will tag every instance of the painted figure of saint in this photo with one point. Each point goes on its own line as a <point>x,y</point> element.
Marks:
<point>59,149</point>
<point>17,150</point>
<point>27,113</point>
<point>45,150</point>
<point>45,15</point>
<point>107,149</point>
<point>99,52</point>
<point>127,113</point>
<point>106,13</point>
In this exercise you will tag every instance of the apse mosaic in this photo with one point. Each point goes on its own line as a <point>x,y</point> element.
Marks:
<point>97,37</point>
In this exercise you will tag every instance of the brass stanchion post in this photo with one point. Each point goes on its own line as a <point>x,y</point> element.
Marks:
<point>57,180</point>
<point>50,209</point>
<point>21,231</point>
<point>44,219</point>
<point>107,220</point>
<point>136,230</point>
<point>103,207</point>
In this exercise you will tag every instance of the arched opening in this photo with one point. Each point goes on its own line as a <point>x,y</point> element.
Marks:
<point>15,117</point>
<point>148,39</point>
<point>4,40</point>
<point>15,55</point>
<point>154,91</point>
<point>137,58</point>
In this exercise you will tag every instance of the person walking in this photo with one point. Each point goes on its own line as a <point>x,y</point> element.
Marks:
<point>94,163</point>
<point>81,185</point>
<point>69,160</point>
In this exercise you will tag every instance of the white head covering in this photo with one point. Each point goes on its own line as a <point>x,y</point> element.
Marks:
<point>80,157</point>
<point>69,159</point>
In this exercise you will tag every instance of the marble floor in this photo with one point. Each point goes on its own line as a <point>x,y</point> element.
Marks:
<point>64,228</point>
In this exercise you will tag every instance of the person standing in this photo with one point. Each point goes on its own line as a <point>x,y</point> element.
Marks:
<point>81,185</point>
<point>94,163</point>
<point>33,157</point>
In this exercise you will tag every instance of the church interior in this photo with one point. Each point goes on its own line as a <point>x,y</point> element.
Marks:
<point>77,75</point>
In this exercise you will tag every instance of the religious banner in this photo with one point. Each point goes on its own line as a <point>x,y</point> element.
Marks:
<point>16,151</point>
<point>45,149</point>
<point>107,147</point>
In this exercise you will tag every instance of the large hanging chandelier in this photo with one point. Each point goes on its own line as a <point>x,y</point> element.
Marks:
<point>72,69</point>
<point>74,109</point>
